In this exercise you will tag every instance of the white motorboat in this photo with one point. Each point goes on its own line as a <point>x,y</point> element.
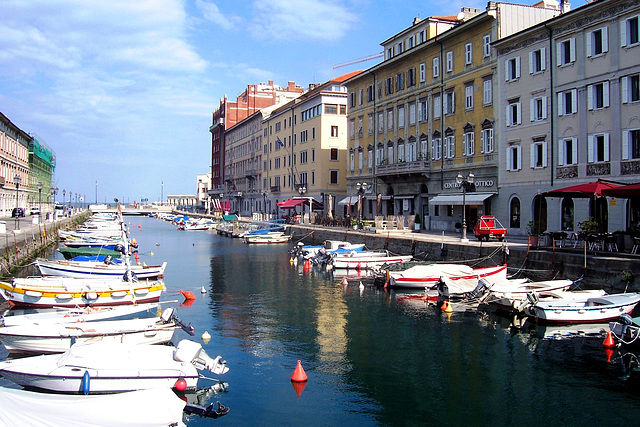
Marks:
<point>159,407</point>
<point>59,337</point>
<point>75,314</point>
<point>270,237</point>
<point>84,269</point>
<point>329,246</point>
<point>589,310</point>
<point>114,367</point>
<point>459,278</point>
<point>74,292</point>
<point>366,260</point>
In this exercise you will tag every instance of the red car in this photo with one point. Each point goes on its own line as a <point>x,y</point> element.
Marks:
<point>487,227</point>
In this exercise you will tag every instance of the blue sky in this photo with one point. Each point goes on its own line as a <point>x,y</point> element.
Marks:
<point>123,90</point>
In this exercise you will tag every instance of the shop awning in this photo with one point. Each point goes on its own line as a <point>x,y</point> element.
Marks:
<point>630,191</point>
<point>589,189</point>
<point>456,199</point>
<point>290,203</point>
<point>230,217</point>
<point>349,200</point>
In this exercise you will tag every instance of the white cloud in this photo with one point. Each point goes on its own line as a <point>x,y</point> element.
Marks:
<point>211,12</point>
<point>317,20</point>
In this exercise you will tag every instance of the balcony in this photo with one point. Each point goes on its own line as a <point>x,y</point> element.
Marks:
<point>275,189</point>
<point>219,122</point>
<point>252,172</point>
<point>419,167</point>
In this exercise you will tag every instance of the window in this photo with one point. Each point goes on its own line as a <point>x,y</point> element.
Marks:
<point>303,157</point>
<point>422,110</point>
<point>370,157</point>
<point>538,157</point>
<point>352,160</point>
<point>333,109</point>
<point>390,119</point>
<point>380,122</point>
<point>537,61</point>
<point>379,154</point>
<point>449,58</point>
<point>514,214</point>
<point>423,72</point>
<point>568,152</point>
<point>370,93</point>
<point>333,156</point>
<point>360,160</point>
<point>435,148</point>
<point>567,214</point>
<point>313,155</point>
<point>597,42</point>
<point>568,102</point>
<point>468,143</point>
<point>538,108</point>
<point>352,101</point>
<point>566,51</point>
<point>631,144</point>
<point>352,130</point>
<point>630,31</point>
<point>370,123</point>
<point>390,156</point>
<point>304,135</point>
<point>631,89</point>
<point>399,82</point>
<point>436,67</point>
<point>486,45</point>
<point>514,113</point>
<point>449,102</point>
<point>468,54</point>
<point>514,158</point>
<point>400,117</point>
<point>412,114</point>
<point>512,68</point>
<point>598,149</point>
<point>333,176</point>
<point>411,77</point>
<point>334,131</point>
<point>468,97</point>
<point>278,126</point>
<point>436,107</point>
<point>424,147</point>
<point>598,96</point>
<point>486,140</point>
<point>487,92</point>
<point>449,146</point>
<point>303,178</point>
<point>388,86</point>
<point>410,153</point>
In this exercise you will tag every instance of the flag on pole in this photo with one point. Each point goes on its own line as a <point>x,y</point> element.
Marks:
<point>279,142</point>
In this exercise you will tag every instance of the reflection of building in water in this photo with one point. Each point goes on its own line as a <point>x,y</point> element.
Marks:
<point>332,336</point>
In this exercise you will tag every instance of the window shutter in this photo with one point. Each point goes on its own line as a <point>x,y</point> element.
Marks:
<point>519,113</point>
<point>623,33</point>
<point>453,102</point>
<point>572,49</point>
<point>509,158</point>
<point>482,138</point>
<point>625,145</point>
<point>561,146</point>
<point>590,97</point>
<point>519,158</point>
<point>574,151</point>
<point>605,39</point>
<point>508,117</point>
<point>532,155</point>
<point>590,149</point>
<point>560,104</point>
<point>605,94</point>
<point>517,67</point>
<point>559,53</point>
<point>531,56</point>
<point>464,144</point>
<point>625,90</point>
<point>506,70</point>
<point>544,154</point>
<point>544,107</point>
<point>445,104</point>
<point>606,147</point>
<point>543,59</point>
<point>532,112</point>
<point>574,101</point>
<point>589,43</point>
<point>452,147</point>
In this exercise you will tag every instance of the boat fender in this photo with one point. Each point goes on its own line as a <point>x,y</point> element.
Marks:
<point>85,383</point>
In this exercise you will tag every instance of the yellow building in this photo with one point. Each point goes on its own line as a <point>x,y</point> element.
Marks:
<point>425,115</point>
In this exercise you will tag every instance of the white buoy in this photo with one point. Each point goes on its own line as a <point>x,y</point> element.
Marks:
<point>361,286</point>
<point>203,290</point>
<point>206,337</point>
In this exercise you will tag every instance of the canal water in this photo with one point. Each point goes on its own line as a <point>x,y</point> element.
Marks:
<point>371,359</point>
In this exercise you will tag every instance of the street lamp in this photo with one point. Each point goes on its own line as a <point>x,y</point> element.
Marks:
<point>264,202</point>
<point>40,197</point>
<point>96,192</point>
<point>16,181</point>
<point>466,183</point>
<point>303,189</point>
<point>361,188</point>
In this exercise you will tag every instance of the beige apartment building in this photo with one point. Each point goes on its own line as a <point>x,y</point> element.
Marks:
<point>425,115</point>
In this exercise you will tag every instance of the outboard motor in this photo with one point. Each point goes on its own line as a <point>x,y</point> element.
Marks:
<point>191,351</point>
<point>481,288</point>
<point>443,292</point>
<point>107,260</point>
<point>625,320</point>
<point>119,248</point>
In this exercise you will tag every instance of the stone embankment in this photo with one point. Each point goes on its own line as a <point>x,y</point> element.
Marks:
<point>611,271</point>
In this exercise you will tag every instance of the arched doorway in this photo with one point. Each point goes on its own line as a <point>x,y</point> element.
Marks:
<point>540,211</point>
<point>599,210</point>
<point>567,214</point>
<point>514,213</point>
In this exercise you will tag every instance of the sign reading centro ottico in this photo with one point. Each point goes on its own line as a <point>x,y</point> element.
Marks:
<point>477,182</point>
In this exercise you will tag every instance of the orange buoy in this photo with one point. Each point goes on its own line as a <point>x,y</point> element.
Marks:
<point>299,375</point>
<point>188,295</point>
<point>298,387</point>
<point>446,307</point>
<point>609,342</point>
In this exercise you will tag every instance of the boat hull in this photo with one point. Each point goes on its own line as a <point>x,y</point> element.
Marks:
<point>364,262</point>
<point>469,279</point>
<point>589,311</point>
<point>82,269</point>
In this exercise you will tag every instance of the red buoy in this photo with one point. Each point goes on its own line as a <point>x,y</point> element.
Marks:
<point>609,352</point>
<point>188,295</point>
<point>299,375</point>
<point>181,384</point>
<point>298,387</point>
<point>609,342</point>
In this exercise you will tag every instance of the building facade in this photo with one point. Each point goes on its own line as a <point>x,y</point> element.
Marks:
<point>570,114</point>
<point>426,115</point>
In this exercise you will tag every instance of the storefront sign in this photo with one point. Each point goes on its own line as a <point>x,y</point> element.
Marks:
<point>478,182</point>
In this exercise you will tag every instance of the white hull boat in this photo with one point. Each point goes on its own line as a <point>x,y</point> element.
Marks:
<point>590,310</point>
<point>460,279</point>
<point>84,269</point>
<point>110,368</point>
<point>364,260</point>
<point>270,237</point>
<point>57,338</point>
<point>75,314</point>
<point>73,292</point>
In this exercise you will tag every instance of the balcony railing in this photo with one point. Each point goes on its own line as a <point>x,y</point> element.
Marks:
<point>402,168</point>
<point>275,188</point>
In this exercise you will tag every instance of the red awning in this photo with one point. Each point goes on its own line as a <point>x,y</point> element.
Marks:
<point>590,189</point>
<point>290,204</point>
<point>630,191</point>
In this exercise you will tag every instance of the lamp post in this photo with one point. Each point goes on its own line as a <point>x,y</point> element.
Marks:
<point>302,189</point>
<point>361,188</point>
<point>40,197</point>
<point>221,208</point>
<point>96,191</point>
<point>465,183</point>
<point>16,181</point>
<point>264,202</point>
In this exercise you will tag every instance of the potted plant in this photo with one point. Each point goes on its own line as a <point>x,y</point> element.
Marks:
<point>534,230</point>
<point>416,222</point>
<point>589,226</point>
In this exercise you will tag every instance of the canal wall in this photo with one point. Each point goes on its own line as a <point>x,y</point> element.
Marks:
<point>613,272</point>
